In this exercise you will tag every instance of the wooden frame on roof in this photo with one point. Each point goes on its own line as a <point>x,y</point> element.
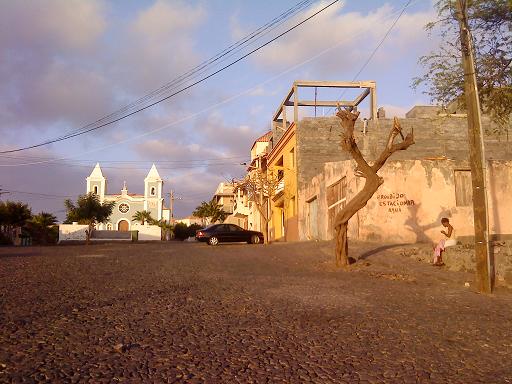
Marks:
<point>369,89</point>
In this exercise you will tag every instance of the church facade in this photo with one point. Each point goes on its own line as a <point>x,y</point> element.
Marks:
<point>127,204</point>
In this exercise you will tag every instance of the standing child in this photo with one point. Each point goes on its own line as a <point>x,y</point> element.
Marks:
<point>448,241</point>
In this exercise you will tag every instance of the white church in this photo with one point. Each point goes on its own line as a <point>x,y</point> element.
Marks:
<point>127,204</point>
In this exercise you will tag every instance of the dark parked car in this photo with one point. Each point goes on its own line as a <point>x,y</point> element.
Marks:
<point>220,233</point>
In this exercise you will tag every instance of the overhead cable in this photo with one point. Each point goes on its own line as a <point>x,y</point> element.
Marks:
<point>81,132</point>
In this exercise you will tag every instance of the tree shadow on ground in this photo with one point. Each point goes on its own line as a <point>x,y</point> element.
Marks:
<point>374,251</point>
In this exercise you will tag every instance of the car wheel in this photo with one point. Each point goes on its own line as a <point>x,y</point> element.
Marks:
<point>213,240</point>
<point>255,239</point>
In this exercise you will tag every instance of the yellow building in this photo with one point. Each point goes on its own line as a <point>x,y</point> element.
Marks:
<point>282,163</point>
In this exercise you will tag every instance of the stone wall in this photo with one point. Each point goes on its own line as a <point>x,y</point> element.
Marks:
<point>462,258</point>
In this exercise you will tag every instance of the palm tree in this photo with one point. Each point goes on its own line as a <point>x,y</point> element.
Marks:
<point>44,219</point>
<point>143,216</point>
<point>12,215</point>
<point>211,211</point>
<point>89,210</point>
<point>167,229</point>
<point>41,225</point>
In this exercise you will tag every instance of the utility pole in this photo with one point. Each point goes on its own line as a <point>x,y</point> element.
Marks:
<point>171,206</point>
<point>172,197</point>
<point>476,154</point>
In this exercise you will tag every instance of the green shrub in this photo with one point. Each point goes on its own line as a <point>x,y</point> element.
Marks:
<point>180,231</point>
<point>193,228</point>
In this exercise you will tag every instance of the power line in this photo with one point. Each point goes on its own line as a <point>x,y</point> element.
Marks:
<point>131,161</point>
<point>174,93</point>
<point>145,168</point>
<point>211,107</point>
<point>378,45</point>
<point>38,194</point>
<point>201,68</point>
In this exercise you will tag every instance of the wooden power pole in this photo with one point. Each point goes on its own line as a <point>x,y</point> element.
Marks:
<point>171,206</point>
<point>476,154</point>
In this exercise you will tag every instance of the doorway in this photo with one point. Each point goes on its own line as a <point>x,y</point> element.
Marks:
<point>123,225</point>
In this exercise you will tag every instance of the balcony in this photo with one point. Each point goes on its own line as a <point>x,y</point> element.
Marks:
<point>279,190</point>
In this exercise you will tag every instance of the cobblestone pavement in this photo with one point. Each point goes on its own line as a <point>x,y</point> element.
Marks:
<point>187,312</point>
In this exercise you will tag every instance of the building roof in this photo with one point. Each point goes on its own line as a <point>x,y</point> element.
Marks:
<point>96,172</point>
<point>224,189</point>
<point>263,139</point>
<point>153,174</point>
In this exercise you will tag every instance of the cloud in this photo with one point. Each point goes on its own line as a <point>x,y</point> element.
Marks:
<point>356,33</point>
<point>215,132</point>
<point>63,66</point>
<point>57,26</point>
<point>159,45</point>
<point>45,74</point>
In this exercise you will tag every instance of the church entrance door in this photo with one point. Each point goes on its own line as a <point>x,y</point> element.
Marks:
<point>123,225</point>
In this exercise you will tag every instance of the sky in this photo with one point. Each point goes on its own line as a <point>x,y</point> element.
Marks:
<point>68,63</point>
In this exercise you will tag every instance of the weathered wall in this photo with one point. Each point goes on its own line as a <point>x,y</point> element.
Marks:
<point>438,137</point>
<point>415,195</point>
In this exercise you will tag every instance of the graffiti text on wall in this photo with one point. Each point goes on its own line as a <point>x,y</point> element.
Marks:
<point>394,201</point>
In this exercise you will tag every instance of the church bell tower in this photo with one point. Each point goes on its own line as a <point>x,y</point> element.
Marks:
<point>153,190</point>
<point>97,183</point>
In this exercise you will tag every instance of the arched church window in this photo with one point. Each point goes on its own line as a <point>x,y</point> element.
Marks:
<point>153,191</point>
<point>96,189</point>
<point>109,226</point>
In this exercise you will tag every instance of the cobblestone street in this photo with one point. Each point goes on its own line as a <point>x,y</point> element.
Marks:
<point>188,312</point>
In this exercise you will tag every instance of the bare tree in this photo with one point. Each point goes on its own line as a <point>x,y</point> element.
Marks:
<point>260,187</point>
<point>369,172</point>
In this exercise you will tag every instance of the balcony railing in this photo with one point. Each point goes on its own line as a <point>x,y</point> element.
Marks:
<point>280,187</point>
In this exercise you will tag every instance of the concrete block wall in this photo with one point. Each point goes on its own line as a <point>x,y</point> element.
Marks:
<point>462,258</point>
<point>318,141</point>
<point>434,137</point>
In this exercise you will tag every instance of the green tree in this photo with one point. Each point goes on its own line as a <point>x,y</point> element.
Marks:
<point>192,229</point>
<point>490,22</point>
<point>166,228</point>
<point>89,210</point>
<point>13,214</point>
<point>210,211</point>
<point>143,216</point>
<point>181,231</point>
<point>42,228</point>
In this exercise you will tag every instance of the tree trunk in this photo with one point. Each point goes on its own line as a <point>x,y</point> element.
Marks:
<point>359,201</point>
<point>372,180</point>
<point>341,245</point>
<point>265,232</point>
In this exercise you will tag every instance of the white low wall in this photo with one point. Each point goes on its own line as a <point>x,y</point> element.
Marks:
<point>76,232</point>
<point>72,232</point>
<point>147,232</point>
